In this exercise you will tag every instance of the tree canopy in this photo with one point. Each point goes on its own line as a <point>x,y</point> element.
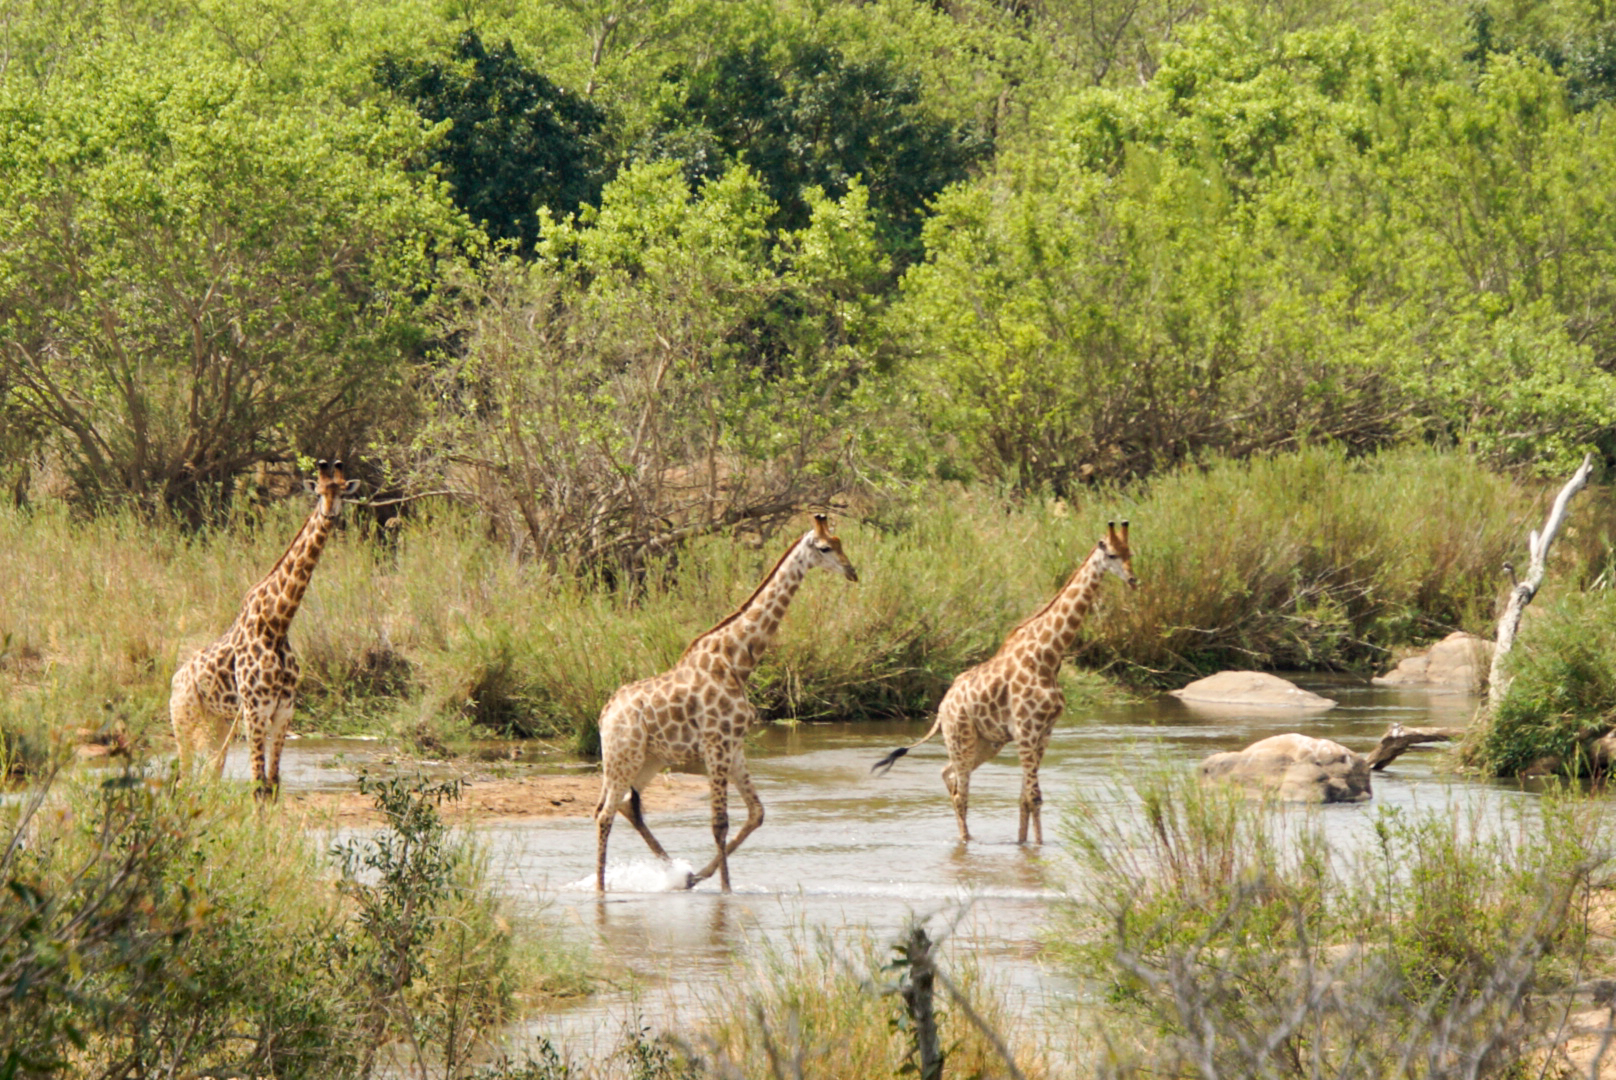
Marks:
<point>647,268</point>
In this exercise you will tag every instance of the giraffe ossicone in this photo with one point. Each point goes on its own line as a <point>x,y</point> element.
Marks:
<point>697,711</point>
<point>1015,696</point>
<point>247,678</point>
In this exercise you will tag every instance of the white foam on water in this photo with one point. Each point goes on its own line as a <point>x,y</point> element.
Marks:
<point>641,875</point>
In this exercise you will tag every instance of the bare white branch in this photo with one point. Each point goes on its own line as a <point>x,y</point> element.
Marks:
<point>1526,589</point>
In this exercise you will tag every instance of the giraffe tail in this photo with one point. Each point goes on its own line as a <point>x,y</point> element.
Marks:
<point>880,767</point>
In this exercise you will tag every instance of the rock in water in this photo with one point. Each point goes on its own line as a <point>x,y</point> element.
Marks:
<point>1251,688</point>
<point>1456,664</point>
<point>1297,768</point>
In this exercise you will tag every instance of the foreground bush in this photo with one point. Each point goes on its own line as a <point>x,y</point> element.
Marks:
<point>1233,938</point>
<point>147,931</point>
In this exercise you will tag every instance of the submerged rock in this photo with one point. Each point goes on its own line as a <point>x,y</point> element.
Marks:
<point>1456,664</point>
<point>1297,768</point>
<point>1251,688</point>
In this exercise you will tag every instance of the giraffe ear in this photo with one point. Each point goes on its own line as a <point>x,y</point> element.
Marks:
<point>820,527</point>
<point>350,488</point>
<point>310,486</point>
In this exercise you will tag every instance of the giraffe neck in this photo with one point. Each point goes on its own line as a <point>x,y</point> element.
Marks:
<point>1045,638</point>
<point>273,601</point>
<point>739,641</point>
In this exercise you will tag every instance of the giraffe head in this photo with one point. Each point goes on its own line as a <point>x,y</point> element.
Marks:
<point>825,550</point>
<point>1118,557</point>
<point>330,488</point>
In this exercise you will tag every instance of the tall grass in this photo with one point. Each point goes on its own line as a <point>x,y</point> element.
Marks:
<point>1303,560</point>
<point>1234,938</point>
<point>819,1008</point>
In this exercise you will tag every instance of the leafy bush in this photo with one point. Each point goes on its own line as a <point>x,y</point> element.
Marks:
<point>195,278</point>
<point>146,930</point>
<point>1562,690</point>
<point>1310,234</point>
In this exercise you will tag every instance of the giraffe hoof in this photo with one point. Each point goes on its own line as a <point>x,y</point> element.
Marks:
<point>691,881</point>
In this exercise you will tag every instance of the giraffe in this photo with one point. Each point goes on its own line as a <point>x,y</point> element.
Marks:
<point>1014,697</point>
<point>248,677</point>
<point>697,710</point>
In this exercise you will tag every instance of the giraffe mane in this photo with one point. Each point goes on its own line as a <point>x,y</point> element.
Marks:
<point>273,570</point>
<point>1041,612</point>
<point>732,616</point>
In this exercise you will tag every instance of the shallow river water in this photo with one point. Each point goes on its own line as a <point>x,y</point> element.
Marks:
<point>845,852</point>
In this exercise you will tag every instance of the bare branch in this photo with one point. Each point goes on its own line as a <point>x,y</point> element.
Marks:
<point>1524,591</point>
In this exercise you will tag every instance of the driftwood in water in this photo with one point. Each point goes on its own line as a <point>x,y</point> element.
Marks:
<point>1399,738</point>
<point>1526,589</point>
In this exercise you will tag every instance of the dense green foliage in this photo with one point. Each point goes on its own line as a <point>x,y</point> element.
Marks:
<point>515,142</point>
<point>841,246</point>
<point>819,121</point>
<point>145,930</point>
<point>1562,691</point>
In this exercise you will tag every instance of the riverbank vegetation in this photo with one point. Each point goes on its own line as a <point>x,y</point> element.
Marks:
<point>1562,694</point>
<point>437,633</point>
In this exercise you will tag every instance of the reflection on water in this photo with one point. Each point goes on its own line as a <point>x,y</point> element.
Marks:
<point>844,852</point>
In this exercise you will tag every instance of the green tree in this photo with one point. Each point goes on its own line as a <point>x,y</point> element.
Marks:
<point>609,404</point>
<point>195,278</point>
<point>516,141</point>
<point>815,119</point>
<point>1343,236</point>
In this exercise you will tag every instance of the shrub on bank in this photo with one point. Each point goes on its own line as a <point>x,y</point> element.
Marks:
<point>1562,690</point>
<point>147,930</point>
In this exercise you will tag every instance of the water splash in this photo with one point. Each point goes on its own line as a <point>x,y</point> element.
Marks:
<point>641,876</point>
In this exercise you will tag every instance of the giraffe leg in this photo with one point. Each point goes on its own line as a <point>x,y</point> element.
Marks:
<point>611,797</point>
<point>274,741</point>
<point>636,817</point>
<point>219,746</point>
<point>754,814</point>
<point>182,707</point>
<point>1032,798</point>
<point>958,783</point>
<point>198,729</point>
<point>1032,739</point>
<point>718,775</point>
<point>257,715</point>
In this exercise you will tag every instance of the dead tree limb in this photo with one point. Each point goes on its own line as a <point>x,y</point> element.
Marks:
<point>1526,588</point>
<point>1399,738</point>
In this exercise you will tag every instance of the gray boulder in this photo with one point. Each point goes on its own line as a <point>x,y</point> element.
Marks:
<point>1250,689</point>
<point>1296,768</point>
<point>1457,664</point>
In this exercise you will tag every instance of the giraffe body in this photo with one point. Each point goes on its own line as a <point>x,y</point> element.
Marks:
<point>247,679</point>
<point>1015,697</point>
<point>697,712</point>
